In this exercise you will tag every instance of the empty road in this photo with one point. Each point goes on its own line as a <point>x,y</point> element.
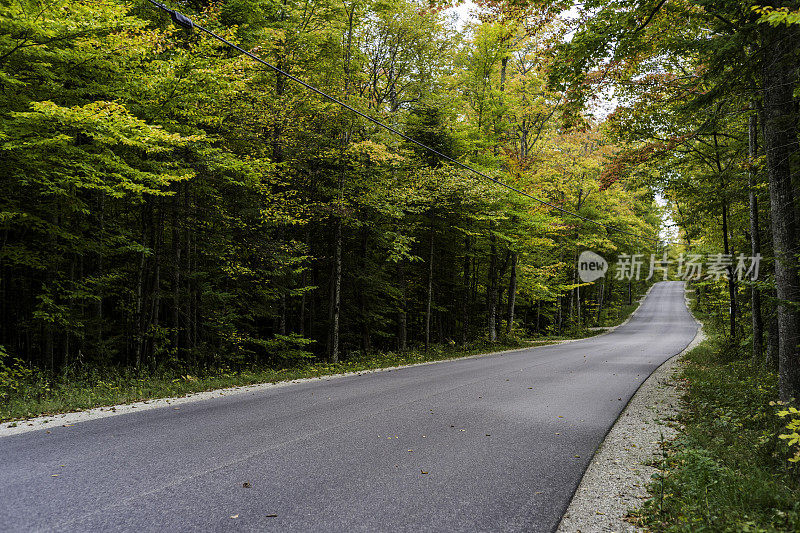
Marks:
<point>491,443</point>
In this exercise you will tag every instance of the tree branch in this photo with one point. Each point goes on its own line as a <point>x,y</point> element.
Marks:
<point>650,17</point>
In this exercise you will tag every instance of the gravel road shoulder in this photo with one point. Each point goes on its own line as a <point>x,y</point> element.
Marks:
<point>616,479</point>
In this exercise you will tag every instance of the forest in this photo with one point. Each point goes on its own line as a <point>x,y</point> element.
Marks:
<point>198,195</point>
<point>168,202</point>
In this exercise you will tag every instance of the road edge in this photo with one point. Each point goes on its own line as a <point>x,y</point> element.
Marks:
<point>615,481</point>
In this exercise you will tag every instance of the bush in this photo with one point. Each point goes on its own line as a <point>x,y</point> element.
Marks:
<point>14,375</point>
<point>792,437</point>
<point>727,470</point>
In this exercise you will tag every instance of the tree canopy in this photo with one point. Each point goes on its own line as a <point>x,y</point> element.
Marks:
<point>167,201</point>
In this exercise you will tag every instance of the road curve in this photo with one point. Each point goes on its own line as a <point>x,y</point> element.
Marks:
<point>492,443</point>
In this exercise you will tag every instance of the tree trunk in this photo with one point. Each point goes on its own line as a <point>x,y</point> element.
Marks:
<point>156,305</point>
<point>283,287</point>
<point>336,289</point>
<point>304,299</point>
<point>366,344</point>
<point>100,266</point>
<point>491,292</point>
<point>429,296</point>
<point>731,278</point>
<point>302,319</point>
<point>466,286</point>
<point>780,142</point>
<point>560,316</point>
<point>282,320</point>
<point>512,293</point>
<point>403,313</point>
<point>600,297</point>
<point>476,263</point>
<point>139,303</point>
<point>755,242</point>
<point>176,279</point>
<point>336,282</point>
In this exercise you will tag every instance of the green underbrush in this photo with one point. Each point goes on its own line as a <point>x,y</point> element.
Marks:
<point>33,394</point>
<point>27,392</point>
<point>728,468</point>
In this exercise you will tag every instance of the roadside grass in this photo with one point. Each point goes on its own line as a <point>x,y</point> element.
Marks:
<point>727,470</point>
<point>111,386</point>
<point>27,393</point>
<point>618,315</point>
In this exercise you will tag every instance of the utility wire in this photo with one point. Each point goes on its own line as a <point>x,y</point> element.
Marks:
<point>179,19</point>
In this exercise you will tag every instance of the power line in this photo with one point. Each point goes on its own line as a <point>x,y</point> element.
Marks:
<point>179,19</point>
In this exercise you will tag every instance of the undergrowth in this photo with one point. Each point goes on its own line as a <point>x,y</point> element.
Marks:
<point>26,392</point>
<point>728,470</point>
<point>32,394</point>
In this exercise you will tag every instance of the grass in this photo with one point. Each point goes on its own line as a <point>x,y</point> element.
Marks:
<point>619,315</point>
<point>727,470</point>
<point>28,394</point>
<point>113,386</point>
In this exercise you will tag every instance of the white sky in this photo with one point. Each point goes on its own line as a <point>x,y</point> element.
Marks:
<point>463,12</point>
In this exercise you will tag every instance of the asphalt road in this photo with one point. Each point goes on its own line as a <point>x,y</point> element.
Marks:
<point>492,443</point>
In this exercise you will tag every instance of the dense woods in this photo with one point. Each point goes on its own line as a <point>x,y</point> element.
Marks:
<point>167,202</point>
<point>176,216</point>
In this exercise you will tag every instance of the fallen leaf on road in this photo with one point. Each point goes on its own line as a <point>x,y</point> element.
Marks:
<point>423,472</point>
<point>271,516</point>
<point>234,516</point>
<point>246,485</point>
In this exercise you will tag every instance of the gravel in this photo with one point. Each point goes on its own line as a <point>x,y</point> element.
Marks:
<point>615,481</point>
